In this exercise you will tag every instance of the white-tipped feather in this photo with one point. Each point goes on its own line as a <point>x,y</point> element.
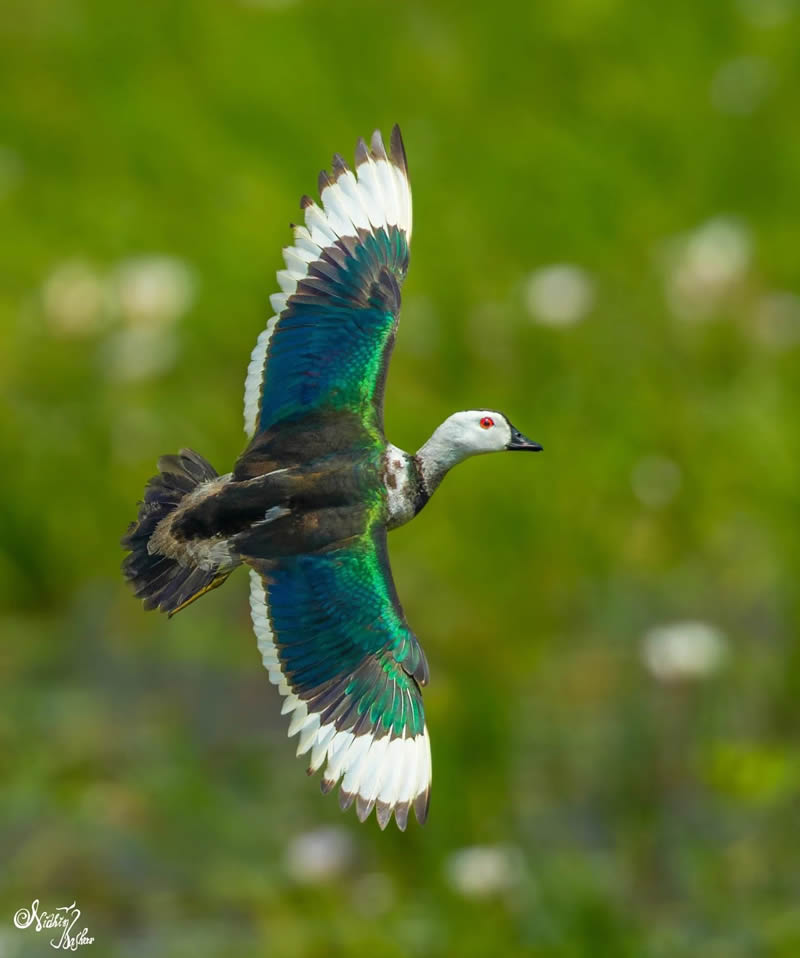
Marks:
<point>406,778</point>
<point>303,241</point>
<point>409,789</point>
<point>335,206</point>
<point>318,753</point>
<point>383,171</point>
<point>264,637</point>
<point>406,788</point>
<point>255,375</point>
<point>424,762</point>
<point>289,704</point>
<point>371,193</point>
<point>337,753</point>
<point>320,747</point>
<point>395,765</point>
<point>297,260</point>
<point>417,767</point>
<point>287,280</point>
<point>318,226</point>
<point>298,719</point>
<point>278,302</point>
<point>375,769</point>
<point>355,763</point>
<point>403,192</point>
<point>308,733</point>
<point>351,194</point>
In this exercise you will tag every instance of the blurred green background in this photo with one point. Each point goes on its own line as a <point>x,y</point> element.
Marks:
<point>605,247</point>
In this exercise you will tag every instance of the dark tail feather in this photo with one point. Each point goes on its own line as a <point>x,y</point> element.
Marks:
<point>160,581</point>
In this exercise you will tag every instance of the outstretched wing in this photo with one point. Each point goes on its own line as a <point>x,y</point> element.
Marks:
<point>329,343</point>
<point>335,641</point>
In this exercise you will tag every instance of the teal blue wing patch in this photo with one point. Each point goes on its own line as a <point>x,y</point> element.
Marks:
<point>335,641</point>
<point>328,346</point>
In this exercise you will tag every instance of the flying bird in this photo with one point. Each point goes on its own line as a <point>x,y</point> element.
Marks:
<point>309,502</point>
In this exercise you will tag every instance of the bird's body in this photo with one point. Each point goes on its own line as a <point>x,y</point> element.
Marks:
<point>309,502</point>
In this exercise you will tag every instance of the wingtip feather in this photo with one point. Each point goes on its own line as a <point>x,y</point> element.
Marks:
<point>362,153</point>
<point>422,804</point>
<point>377,148</point>
<point>397,150</point>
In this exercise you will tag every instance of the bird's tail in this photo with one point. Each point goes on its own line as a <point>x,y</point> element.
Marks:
<point>163,577</point>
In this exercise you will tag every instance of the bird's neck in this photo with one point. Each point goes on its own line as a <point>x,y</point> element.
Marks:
<point>411,480</point>
<point>436,458</point>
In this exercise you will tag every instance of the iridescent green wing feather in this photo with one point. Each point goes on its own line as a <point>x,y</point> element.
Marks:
<point>333,636</point>
<point>328,346</point>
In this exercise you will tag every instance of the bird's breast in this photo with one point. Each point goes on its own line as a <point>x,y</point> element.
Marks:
<point>403,484</point>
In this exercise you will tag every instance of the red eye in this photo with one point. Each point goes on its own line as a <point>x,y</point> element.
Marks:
<point>487,422</point>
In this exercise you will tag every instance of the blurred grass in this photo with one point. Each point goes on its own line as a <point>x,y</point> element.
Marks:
<point>145,772</point>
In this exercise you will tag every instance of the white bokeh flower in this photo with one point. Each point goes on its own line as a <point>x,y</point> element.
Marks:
<point>703,266</point>
<point>73,297</point>
<point>319,855</point>
<point>479,871</point>
<point>683,651</point>
<point>152,290</point>
<point>138,352</point>
<point>559,295</point>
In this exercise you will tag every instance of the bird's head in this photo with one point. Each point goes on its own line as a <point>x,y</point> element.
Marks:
<point>475,431</point>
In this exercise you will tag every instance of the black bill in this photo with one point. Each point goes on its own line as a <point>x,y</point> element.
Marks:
<point>520,443</point>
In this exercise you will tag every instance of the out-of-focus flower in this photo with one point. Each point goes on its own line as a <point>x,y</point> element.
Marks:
<point>559,295</point>
<point>74,298</point>
<point>741,85</point>
<point>704,265</point>
<point>655,481</point>
<point>683,651</point>
<point>483,870</point>
<point>147,293</point>
<point>319,855</point>
<point>138,352</point>
<point>767,13</point>
<point>776,320</point>
<point>152,290</point>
